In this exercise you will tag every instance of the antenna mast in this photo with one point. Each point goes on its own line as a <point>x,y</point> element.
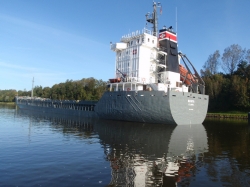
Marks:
<point>153,19</point>
<point>32,88</point>
<point>176,20</point>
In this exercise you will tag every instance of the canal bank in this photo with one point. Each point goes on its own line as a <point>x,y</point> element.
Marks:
<point>227,116</point>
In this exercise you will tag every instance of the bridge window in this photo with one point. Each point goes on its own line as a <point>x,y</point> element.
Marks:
<point>173,52</point>
<point>172,45</point>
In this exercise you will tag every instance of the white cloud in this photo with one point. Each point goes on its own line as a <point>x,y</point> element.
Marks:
<point>17,67</point>
<point>50,31</point>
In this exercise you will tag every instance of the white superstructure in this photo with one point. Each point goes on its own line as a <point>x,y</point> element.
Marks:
<point>138,64</point>
<point>136,56</point>
<point>147,60</point>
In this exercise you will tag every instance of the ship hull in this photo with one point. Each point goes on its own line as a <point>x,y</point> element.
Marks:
<point>174,108</point>
<point>61,111</point>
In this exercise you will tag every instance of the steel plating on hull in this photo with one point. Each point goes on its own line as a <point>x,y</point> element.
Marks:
<point>154,107</point>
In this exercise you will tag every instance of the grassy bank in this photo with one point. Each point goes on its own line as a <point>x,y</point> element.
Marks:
<point>7,103</point>
<point>231,114</point>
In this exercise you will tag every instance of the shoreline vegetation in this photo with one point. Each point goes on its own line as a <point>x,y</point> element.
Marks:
<point>7,103</point>
<point>235,115</point>
<point>228,90</point>
<point>84,89</point>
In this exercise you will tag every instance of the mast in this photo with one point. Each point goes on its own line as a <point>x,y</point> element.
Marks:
<point>155,24</point>
<point>176,21</point>
<point>32,88</point>
<point>153,19</point>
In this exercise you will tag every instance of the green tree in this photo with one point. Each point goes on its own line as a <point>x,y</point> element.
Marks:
<point>239,95</point>
<point>7,95</point>
<point>46,92</point>
<point>248,56</point>
<point>85,89</point>
<point>218,87</point>
<point>232,56</point>
<point>211,65</point>
<point>38,91</point>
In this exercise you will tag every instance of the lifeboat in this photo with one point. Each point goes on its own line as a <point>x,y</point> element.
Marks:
<point>185,75</point>
<point>115,80</point>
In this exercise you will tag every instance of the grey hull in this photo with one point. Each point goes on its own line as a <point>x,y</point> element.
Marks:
<point>177,108</point>
<point>174,108</point>
<point>61,111</point>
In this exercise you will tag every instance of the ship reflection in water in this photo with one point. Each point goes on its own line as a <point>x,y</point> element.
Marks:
<point>142,154</point>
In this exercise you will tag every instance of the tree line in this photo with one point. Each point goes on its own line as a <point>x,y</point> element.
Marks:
<point>228,90</point>
<point>84,89</point>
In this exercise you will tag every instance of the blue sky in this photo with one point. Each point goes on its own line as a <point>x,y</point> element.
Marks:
<point>56,40</point>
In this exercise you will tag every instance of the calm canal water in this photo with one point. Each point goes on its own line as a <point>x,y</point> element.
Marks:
<point>48,150</point>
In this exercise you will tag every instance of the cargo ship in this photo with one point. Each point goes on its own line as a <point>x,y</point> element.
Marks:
<point>151,85</point>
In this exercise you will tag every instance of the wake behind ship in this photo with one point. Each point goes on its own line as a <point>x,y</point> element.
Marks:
<point>150,83</point>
